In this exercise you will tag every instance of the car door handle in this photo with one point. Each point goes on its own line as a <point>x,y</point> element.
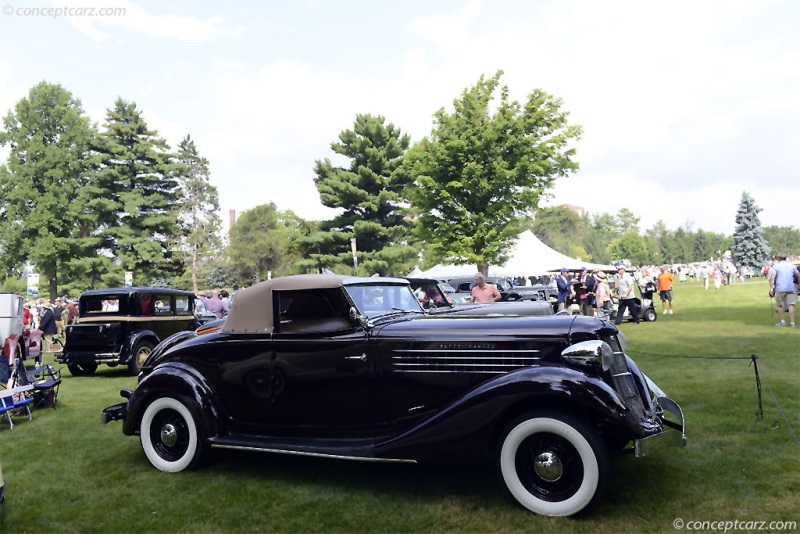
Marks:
<point>362,357</point>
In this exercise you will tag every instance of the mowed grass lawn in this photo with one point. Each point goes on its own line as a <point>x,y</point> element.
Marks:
<point>64,472</point>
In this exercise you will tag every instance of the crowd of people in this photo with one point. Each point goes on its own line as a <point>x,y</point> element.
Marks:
<point>50,318</point>
<point>593,292</point>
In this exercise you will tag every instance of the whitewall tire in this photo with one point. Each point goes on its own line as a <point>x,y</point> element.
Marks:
<point>553,464</point>
<point>169,435</point>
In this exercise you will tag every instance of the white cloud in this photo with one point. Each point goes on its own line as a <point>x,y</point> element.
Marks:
<point>134,18</point>
<point>687,105</point>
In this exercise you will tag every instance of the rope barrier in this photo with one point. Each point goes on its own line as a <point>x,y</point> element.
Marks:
<point>753,359</point>
<point>777,405</point>
<point>692,356</point>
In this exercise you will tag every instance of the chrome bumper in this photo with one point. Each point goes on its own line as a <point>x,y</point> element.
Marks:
<point>673,430</point>
<point>117,412</point>
<point>97,357</point>
<point>114,413</point>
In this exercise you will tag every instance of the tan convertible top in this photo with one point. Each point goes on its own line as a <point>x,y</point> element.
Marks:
<point>252,311</point>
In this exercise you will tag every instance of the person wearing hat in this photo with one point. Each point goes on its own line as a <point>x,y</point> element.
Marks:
<point>584,291</point>
<point>48,324</point>
<point>58,311</point>
<point>564,285</point>
<point>627,296</point>
<point>602,295</point>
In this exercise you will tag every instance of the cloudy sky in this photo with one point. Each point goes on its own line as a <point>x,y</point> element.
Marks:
<point>684,104</point>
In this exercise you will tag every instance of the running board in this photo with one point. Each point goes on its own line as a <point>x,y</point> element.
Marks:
<point>362,450</point>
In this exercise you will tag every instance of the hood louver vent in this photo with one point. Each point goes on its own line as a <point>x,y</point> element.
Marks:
<point>463,358</point>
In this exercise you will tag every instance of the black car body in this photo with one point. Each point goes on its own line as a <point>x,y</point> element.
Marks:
<point>121,326</point>
<point>354,368</point>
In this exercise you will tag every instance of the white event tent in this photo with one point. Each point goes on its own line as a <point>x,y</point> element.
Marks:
<point>529,257</point>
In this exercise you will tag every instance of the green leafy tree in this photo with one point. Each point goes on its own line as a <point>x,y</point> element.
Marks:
<point>561,229</point>
<point>370,192</point>
<point>684,246</point>
<point>484,168</point>
<point>198,209</point>
<point>750,249</point>
<point>626,220</point>
<point>50,142</point>
<point>225,275</point>
<point>783,239</point>
<point>630,246</point>
<point>134,197</point>
<point>259,242</point>
<point>601,230</point>
<point>704,246</point>
<point>657,239</point>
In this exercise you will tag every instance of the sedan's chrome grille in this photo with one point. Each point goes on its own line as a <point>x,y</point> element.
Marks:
<point>462,360</point>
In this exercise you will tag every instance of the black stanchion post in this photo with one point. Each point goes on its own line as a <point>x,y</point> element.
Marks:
<point>760,412</point>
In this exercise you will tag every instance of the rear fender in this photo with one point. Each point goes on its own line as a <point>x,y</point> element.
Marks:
<point>178,381</point>
<point>487,407</point>
<point>132,340</point>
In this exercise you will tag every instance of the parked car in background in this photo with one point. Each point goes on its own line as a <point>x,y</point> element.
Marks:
<point>121,326</point>
<point>436,300</point>
<point>11,338</point>
<point>508,292</point>
<point>353,368</point>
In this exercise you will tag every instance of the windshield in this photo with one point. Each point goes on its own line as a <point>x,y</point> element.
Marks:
<point>381,299</point>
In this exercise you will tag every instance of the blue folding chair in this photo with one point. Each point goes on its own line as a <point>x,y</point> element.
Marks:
<point>13,400</point>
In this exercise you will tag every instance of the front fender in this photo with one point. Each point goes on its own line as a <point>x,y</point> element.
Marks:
<point>165,346</point>
<point>469,423</point>
<point>181,382</point>
<point>132,340</point>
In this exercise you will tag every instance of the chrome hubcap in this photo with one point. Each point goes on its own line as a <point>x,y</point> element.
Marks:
<point>548,466</point>
<point>169,435</point>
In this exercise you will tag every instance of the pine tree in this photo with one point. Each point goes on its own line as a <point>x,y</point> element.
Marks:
<point>750,249</point>
<point>370,192</point>
<point>199,207</point>
<point>135,196</point>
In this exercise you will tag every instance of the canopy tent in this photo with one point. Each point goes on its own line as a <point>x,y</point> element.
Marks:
<point>529,257</point>
<point>416,273</point>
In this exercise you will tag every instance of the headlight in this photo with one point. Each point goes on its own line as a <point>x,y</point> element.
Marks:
<point>593,350</point>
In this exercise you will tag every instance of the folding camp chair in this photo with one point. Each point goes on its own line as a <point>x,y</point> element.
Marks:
<point>13,400</point>
<point>45,382</point>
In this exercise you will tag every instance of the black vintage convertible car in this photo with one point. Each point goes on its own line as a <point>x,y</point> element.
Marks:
<point>353,368</point>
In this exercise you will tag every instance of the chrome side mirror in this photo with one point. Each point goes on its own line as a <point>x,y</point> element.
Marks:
<point>356,317</point>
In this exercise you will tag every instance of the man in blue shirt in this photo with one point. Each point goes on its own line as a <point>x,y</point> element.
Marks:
<point>564,284</point>
<point>782,279</point>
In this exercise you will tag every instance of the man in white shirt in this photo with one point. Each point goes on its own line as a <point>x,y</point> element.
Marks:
<point>627,296</point>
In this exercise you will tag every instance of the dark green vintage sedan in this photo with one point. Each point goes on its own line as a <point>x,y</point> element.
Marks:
<point>355,368</point>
